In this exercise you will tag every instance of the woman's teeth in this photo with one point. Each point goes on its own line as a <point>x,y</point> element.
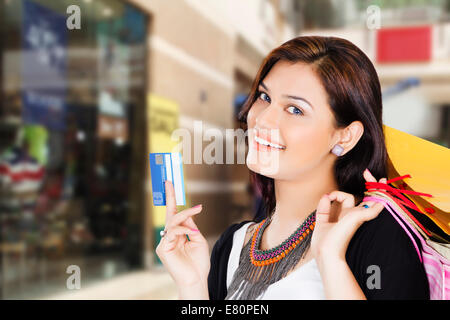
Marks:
<point>267,143</point>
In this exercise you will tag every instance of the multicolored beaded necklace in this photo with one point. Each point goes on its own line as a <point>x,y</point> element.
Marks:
<point>260,268</point>
<point>265,257</point>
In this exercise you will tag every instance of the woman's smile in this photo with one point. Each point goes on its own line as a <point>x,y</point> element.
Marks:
<point>265,145</point>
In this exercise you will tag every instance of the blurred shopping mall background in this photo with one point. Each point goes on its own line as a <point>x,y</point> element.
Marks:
<point>81,106</point>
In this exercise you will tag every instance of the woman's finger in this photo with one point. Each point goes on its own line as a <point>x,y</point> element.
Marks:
<point>323,210</point>
<point>368,176</point>
<point>173,232</point>
<point>196,236</point>
<point>373,210</point>
<point>189,222</point>
<point>171,203</point>
<point>347,200</point>
<point>168,244</point>
<point>180,217</point>
<point>366,204</point>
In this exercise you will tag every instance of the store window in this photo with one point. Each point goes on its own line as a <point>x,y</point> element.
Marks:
<point>71,126</point>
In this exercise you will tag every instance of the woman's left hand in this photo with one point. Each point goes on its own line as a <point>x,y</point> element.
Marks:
<point>333,231</point>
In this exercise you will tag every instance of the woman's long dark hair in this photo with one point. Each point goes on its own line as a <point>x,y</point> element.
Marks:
<point>354,94</point>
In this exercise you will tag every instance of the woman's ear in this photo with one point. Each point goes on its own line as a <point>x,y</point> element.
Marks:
<point>350,135</point>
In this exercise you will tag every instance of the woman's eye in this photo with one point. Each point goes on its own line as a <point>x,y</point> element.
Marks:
<point>295,110</point>
<point>263,96</point>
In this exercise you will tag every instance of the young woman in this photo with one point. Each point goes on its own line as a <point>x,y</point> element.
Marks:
<point>317,101</point>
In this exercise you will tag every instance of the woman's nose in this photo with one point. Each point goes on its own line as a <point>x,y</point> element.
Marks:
<point>269,117</point>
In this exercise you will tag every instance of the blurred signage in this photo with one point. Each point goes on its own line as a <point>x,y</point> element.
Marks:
<point>163,119</point>
<point>134,30</point>
<point>405,44</point>
<point>113,68</point>
<point>109,105</point>
<point>44,41</point>
<point>110,127</point>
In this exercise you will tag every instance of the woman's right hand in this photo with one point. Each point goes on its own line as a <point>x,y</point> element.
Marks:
<point>188,262</point>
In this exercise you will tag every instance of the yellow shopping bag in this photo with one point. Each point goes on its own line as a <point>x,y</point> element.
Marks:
<point>428,164</point>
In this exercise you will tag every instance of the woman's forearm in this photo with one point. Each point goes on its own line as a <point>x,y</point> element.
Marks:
<point>198,291</point>
<point>338,280</point>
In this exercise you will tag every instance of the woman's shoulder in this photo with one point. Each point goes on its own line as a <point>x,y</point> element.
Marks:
<point>383,239</point>
<point>226,238</point>
<point>219,261</point>
<point>381,247</point>
<point>384,236</point>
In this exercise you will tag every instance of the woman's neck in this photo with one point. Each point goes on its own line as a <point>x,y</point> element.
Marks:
<point>296,200</point>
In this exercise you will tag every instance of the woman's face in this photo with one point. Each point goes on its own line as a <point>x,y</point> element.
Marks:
<point>291,110</point>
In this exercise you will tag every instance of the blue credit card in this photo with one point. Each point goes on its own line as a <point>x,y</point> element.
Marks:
<point>167,166</point>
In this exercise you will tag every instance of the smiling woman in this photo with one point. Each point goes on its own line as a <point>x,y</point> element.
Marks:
<point>314,120</point>
<point>319,98</point>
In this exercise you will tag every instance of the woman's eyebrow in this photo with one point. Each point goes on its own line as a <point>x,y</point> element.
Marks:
<point>289,96</point>
<point>299,98</point>
<point>264,86</point>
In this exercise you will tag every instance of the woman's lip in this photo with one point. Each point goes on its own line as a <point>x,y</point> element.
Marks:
<point>257,136</point>
<point>261,147</point>
<point>262,135</point>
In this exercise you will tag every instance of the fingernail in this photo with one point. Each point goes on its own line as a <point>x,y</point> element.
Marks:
<point>198,206</point>
<point>195,230</point>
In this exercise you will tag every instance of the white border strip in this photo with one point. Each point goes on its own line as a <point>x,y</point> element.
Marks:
<point>168,164</point>
<point>177,178</point>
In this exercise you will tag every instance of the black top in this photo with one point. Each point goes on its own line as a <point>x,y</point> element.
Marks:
<point>379,242</point>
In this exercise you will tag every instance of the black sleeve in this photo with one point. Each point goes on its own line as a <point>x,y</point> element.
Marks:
<point>217,277</point>
<point>385,263</point>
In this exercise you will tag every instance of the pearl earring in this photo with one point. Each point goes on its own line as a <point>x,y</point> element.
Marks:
<point>337,150</point>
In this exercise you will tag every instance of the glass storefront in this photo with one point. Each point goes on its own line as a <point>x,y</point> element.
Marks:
<point>72,106</point>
